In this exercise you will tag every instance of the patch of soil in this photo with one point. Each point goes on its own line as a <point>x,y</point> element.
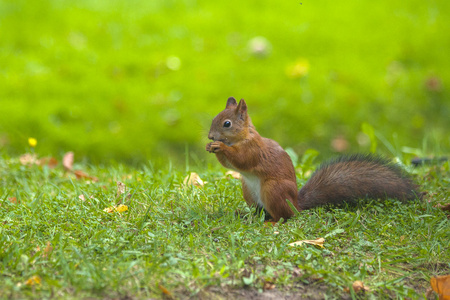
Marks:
<point>297,292</point>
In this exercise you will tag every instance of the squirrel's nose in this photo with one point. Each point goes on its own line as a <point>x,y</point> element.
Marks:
<point>210,136</point>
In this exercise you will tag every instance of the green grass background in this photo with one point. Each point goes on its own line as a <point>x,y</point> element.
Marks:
<point>135,80</point>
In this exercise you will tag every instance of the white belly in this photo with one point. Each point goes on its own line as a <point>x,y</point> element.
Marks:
<point>253,184</point>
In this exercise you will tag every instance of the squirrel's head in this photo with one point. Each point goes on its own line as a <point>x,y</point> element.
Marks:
<point>232,124</point>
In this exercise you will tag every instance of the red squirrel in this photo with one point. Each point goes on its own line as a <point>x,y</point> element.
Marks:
<point>268,174</point>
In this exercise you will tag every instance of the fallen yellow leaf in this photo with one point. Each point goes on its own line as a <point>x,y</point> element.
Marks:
<point>318,242</point>
<point>193,179</point>
<point>120,209</point>
<point>33,280</point>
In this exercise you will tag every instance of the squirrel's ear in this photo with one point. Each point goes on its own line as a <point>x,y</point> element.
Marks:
<point>241,110</point>
<point>231,102</point>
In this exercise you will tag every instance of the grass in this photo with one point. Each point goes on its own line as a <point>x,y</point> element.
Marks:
<point>139,82</point>
<point>130,80</point>
<point>176,241</point>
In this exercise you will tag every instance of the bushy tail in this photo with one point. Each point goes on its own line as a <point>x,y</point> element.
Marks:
<point>349,178</point>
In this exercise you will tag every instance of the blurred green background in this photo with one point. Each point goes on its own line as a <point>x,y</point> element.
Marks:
<point>137,80</point>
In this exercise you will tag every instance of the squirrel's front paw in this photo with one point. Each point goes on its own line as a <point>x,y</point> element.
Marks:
<point>208,147</point>
<point>214,147</point>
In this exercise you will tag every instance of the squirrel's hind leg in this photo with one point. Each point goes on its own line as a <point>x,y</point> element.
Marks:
<point>275,194</point>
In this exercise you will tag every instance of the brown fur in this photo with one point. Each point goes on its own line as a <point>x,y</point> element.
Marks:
<point>268,175</point>
<point>350,178</point>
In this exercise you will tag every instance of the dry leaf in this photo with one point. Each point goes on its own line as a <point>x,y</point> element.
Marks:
<point>268,285</point>
<point>359,286</point>
<point>31,159</point>
<point>33,280</point>
<point>297,272</point>
<point>81,197</point>
<point>12,199</point>
<point>121,188</point>
<point>441,285</point>
<point>50,162</point>
<point>319,242</point>
<point>164,290</point>
<point>444,207</point>
<point>48,249</point>
<point>193,179</point>
<point>68,161</point>
<point>82,175</point>
<point>28,159</point>
<point>234,174</point>
<point>109,209</point>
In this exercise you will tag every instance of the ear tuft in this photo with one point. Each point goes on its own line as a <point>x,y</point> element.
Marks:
<point>241,110</point>
<point>231,102</point>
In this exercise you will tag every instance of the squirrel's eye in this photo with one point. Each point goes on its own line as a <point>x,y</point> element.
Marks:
<point>227,124</point>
